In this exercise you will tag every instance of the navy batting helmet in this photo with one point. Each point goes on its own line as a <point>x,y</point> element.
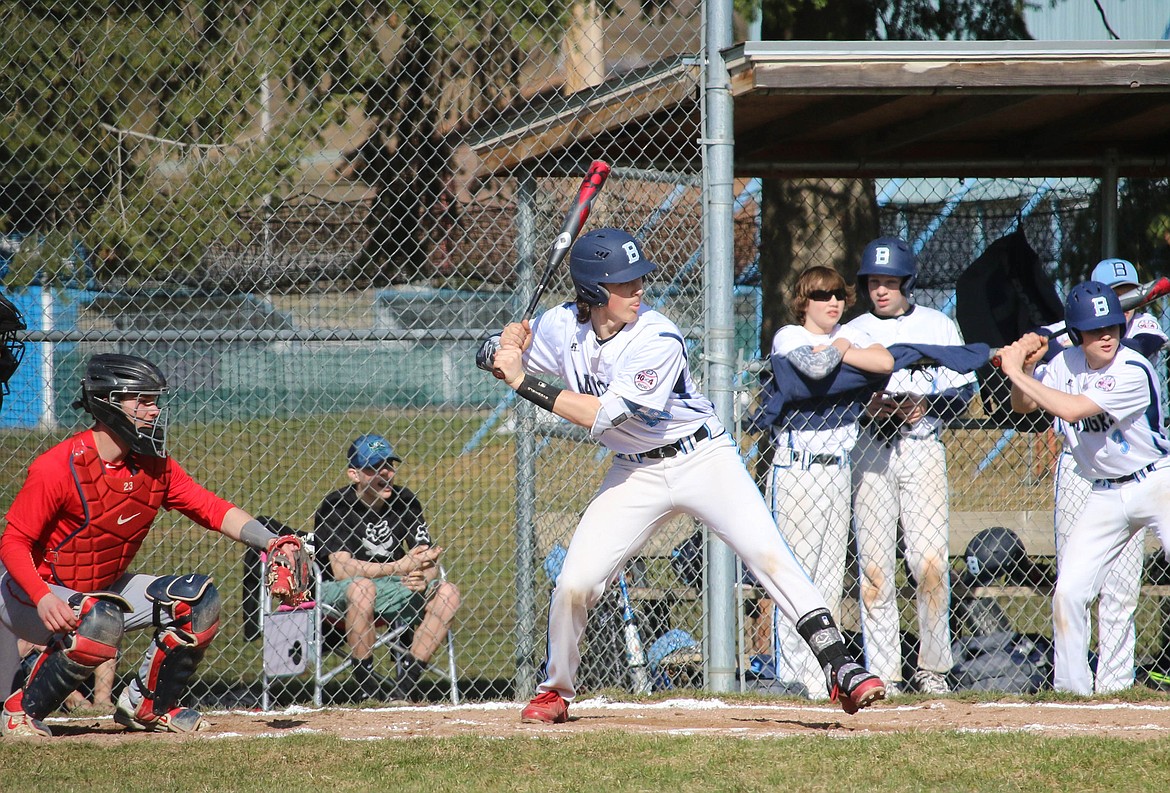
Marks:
<point>1091,306</point>
<point>110,378</point>
<point>605,256</point>
<point>993,552</point>
<point>1115,273</point>
<point>888,256</point>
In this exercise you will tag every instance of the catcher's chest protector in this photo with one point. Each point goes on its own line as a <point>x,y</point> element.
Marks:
<point>118,514</point>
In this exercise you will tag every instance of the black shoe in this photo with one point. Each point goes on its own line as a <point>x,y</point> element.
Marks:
<point>370,685</point>
<point>406,688</point>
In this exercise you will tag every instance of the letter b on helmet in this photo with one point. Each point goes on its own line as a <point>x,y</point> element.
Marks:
<point>605,256</point>
<point>1092,306</point>
<point>888,256</point>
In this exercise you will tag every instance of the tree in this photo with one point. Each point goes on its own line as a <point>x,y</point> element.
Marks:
<point>829,221</point>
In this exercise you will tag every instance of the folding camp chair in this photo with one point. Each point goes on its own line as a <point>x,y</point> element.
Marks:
<point>294,642</point>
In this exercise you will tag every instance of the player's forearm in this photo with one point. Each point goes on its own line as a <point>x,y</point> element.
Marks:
<point>580,409</point>
<point>356,568</point>
<point>875,358</point>
<point>17,559</point>
<point>1029,394</point>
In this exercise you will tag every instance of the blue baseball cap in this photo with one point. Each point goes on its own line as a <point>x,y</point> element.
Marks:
<point>371,451</point>
<point>1115,272</point>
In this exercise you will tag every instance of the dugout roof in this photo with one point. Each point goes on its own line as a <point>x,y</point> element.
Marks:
<point>869,109</point>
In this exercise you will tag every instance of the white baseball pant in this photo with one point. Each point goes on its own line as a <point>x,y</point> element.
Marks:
<point>905,479</point>
<point>1116,631</point>
<point>711,484</point>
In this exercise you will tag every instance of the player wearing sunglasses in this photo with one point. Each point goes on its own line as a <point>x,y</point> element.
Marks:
<point>808,487</point>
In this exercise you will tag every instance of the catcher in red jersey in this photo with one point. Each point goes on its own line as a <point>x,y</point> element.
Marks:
<point>71,535</point>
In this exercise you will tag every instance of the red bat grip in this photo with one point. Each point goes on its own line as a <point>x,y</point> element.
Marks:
<point>1143,296</point>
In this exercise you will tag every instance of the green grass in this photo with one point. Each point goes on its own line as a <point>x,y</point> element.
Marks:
<point>604,761</point>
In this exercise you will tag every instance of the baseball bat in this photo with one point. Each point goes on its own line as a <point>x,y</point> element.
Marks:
<point>1142,296</point>
<point>574,222</point>
<point>635,654</point>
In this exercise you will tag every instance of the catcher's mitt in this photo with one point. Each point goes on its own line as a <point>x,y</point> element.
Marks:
<point>288,570</point>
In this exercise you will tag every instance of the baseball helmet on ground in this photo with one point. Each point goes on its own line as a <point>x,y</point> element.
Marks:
<point>888,256</point>
<point>1091,306</point>
<point>11,350</point>
<point>110,378</point>
<point>1115,272</point>
<point>993,552</point>
<point>605,256</point>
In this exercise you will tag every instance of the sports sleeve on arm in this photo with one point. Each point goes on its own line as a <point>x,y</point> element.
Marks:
<point>816,365</point>
<point>188,497</point>
<point>29,525</point>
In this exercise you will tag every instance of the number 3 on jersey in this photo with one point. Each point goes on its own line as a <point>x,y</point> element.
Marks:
<point>1119,439</point>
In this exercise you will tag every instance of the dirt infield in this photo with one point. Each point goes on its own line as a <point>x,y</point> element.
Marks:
<point>1138,721</point>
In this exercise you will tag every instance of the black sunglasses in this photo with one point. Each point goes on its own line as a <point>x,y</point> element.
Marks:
<point>821,295</point>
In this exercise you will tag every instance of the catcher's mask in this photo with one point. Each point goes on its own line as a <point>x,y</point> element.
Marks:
<point>11,350</point>
<point>110,381</point>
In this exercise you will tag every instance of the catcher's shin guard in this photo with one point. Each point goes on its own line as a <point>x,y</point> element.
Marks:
<point>70,658</point>
<point>179,645</point>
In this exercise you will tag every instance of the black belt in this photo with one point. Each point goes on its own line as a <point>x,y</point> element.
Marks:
<point>816,459</point>
<point>671,449</point>
<point>1120,480</point>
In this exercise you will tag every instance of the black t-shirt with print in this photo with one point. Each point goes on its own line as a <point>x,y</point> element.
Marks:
<point>381,533</point>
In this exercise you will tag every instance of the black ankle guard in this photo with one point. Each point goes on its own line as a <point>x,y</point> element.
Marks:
<point>818,629</point>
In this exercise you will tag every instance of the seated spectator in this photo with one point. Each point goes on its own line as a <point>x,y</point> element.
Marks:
<point>379,562</point>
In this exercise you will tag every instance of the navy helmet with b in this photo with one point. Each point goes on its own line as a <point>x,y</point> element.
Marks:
<point>889,256</point>
<point>605,256</point>
<point>110,378</point>
<point>1091,306</point>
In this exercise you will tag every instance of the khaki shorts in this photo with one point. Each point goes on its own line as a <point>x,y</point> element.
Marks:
<point>392,599</point>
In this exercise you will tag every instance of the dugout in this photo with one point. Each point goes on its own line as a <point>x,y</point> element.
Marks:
<point>848,110</point>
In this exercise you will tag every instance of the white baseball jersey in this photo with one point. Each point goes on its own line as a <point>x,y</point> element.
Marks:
<point>1142,323</point>
<point>649,400</point>
<point>919,325</point>
<point>1121,583</point>
<point>1128,435</point>
<point>826,440</point>
<point>641,371</point>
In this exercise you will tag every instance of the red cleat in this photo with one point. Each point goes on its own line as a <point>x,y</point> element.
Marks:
<point>547,707</point>
<point>855,688</point>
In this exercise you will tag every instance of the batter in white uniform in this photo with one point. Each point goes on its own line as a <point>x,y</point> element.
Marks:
<point>809,488</point>
<point>900,472</point>
<point>1107,398</point>
<point>1116,633</point>
<point>627,379</point>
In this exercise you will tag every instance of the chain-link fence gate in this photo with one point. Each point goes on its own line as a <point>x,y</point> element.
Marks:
<point>288,207</point>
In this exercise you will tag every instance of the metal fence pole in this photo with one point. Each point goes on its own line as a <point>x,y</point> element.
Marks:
<point>525,458</point>
<point>718,192</point>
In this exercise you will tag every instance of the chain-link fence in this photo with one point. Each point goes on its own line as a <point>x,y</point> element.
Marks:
<point>290,209</point>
